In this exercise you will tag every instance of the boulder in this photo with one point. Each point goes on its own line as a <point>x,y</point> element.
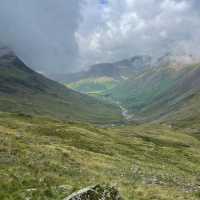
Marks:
<point>96,192</point>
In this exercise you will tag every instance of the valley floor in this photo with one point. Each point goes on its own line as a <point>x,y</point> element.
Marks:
<point>42,158</point>
<point>124,112</point>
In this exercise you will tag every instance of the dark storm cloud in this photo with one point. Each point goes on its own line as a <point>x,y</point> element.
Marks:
<point>41,32</point>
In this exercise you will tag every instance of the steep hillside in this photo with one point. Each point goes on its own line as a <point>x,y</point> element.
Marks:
<point>180,103</point>
<point>25,91</point>
<point>145,88</point>
<point>160,92</point>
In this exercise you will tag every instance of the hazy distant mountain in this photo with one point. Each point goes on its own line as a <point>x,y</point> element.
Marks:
<point>105,76</point>
<point>116,70</point>
<point>25,91</point>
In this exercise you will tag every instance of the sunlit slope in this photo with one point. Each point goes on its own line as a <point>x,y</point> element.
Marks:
<point>25,91</point>
<point>94,85</point>
<point>159,92</point>
<point>104,76</point>
<point>46,159</point>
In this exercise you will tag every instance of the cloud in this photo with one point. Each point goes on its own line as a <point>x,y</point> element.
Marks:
<point>41,32</point>
<point>123,28</point>
<point>59,36</point>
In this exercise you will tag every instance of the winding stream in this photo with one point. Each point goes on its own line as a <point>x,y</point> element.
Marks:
<point>124,112</point>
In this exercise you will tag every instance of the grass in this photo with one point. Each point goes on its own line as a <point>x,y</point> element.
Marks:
<point>144,89</point>
<point>94,85</point>
<point>42,158</point>
<point>25,91</point>
<point>160,94</point>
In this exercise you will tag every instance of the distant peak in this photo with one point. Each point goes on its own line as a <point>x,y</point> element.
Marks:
<point>5,51</point>
<point>178,61</point>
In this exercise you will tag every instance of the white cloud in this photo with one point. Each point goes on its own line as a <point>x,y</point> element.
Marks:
<point>176,6</point>
<point>124,28</point>
<point>49,35</point>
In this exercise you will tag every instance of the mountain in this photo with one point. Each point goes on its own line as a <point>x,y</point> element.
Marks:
<point>103,76</point>
<point>44,158</point>
<point>24,91</point>
<point>146,88</point>
<point>117,70</point>
<point>167,91</point>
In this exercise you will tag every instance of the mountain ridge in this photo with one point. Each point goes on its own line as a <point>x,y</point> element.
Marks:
<point>115,70</point>
<point>154,88</point>
<point>26,91</point>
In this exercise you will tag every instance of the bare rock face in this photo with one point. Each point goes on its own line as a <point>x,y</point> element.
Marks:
<point>97,192</point>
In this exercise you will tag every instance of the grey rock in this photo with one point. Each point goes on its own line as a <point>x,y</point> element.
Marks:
<point>96,192</point>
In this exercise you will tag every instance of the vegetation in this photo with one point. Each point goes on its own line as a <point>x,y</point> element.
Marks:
<point>168,89</point>
<point>93,85</point>
<point>25,91</point>
<point>159,93</point>
<point>41,158</point>
<point>48,151</point>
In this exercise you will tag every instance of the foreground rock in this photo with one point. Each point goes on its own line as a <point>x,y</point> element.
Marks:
<point>97,192</point>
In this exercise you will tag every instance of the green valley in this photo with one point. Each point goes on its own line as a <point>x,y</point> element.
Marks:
<point>160,89</point>
<point>99,100</point>
<point>55,141</point>
<point>24,91</point>
<point>94,85</point>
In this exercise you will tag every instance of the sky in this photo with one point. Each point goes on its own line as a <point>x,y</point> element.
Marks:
<point>61,36</point>
<point>42,32</point>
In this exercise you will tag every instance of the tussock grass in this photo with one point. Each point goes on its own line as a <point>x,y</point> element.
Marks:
<point>41,158</point>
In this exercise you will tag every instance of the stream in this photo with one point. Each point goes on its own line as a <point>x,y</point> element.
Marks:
<point>124,111</point>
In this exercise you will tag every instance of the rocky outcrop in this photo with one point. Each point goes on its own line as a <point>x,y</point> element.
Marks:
<point>96,192</point>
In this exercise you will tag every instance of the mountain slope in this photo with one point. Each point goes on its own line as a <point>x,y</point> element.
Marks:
<point>116,70</point>
<point>181,101</point>
<point>25,91</point>
<point>162,88</point>
<point>160,93</point>
<point>88,81</point>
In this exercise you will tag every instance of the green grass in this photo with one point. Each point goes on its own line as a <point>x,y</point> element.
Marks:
<point>42,158</point>
<point>144,89</point>
<point>93,85</point>
<point>160,93</point>
<point>72,108</point>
